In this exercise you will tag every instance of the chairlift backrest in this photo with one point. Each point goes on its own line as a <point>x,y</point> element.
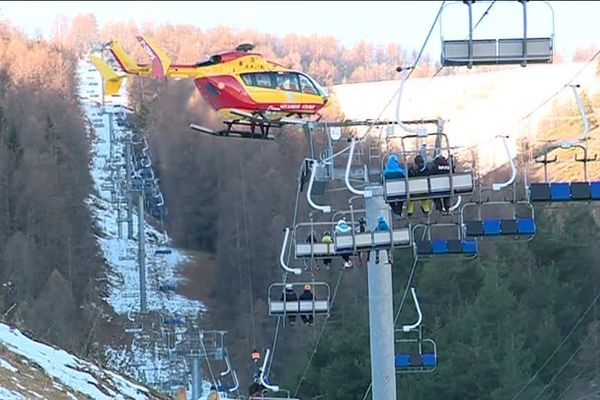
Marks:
<point>521,49</point>
<point>280,305</point>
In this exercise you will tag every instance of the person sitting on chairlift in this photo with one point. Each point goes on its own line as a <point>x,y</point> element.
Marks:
<point>328,240</point>
<point>307,295</point>
<point>289,295</point>
<point>255,356</point>
<point>342,227</point>
<point>394,170</point>
<point>441,166</point>
<point>382,225</point>
<point>362,228</point>
<point>418,169</point>
<point>213,394</point>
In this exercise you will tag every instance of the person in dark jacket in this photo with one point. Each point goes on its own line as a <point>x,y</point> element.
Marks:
<point>289,295</point>
<point>441,166</point>
<point>362,228</point>
<point>418,169</point>
<point>304,296</point>
<point>395,170</point>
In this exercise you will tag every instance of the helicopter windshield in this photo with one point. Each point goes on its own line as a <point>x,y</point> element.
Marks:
<point>320,89</point>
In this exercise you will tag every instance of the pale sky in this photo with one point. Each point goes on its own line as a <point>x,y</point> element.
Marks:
<point>404,22</point>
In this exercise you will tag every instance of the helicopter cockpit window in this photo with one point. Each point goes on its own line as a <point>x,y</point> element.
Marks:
<point>263,80</point>
<point>306,85</point>
<point>287,81</point>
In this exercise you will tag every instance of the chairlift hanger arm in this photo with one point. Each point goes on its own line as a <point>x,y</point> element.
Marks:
<point>408,328</point>
<point>228,370</point>
<point>313,171</point>
<point>499,186</point>
<point>236,382</point>
<point>365,193</point>
<point>404,73</point>
<point>295,271</point>
<point>584,119</point>
<point>261,378</point>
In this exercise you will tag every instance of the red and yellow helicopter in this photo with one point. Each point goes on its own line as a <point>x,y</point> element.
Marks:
<point>250,93</point>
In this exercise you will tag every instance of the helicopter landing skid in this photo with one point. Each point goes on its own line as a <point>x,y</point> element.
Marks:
<point>230,133</point>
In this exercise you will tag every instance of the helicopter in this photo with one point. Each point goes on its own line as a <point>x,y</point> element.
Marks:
<point>250,93</point>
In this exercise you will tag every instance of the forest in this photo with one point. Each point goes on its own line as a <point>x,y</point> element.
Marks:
<point>518,322</point>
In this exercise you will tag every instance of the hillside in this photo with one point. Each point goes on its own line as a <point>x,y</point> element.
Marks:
<point>30,369</point>
<point>480,105</point>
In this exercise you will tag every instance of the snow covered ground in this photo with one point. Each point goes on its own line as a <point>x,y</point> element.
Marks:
<point>121,253</point>
<point>147,357</point>
<point>32,370</point>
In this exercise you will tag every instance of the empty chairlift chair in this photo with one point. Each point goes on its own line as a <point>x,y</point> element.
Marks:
<point>575,191</point>
<point>468,51</point>
<point>415,354</point>
<point>507,217</point>
<point>551,192</point>
<point>443,240</point>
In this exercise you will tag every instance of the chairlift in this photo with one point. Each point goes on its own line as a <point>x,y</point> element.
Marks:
<point>584,190</point>
<point>173,320</point>
<point>452,242</point>
<point>280,306</point>
<point>131,325</point>
<point>147,173</point>
<point>520,50</point>
<point>355,242</point>
<point>168,287</point>
<point>421,360</point>
<point>229,371</point>
<point>425,187</point>
<point>309,191</point>
<point>350,243</point>
<point>262,377</point>
<point>144,161</point>
<point>502,218</point>
<point>158,200</point>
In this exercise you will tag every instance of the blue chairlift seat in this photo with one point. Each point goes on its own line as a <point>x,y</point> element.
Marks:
<point>595,190</point>
<point>491,227</point>
<point>526,226</point>
<point>163,251</point>
<point>174,321</point>
<point>469,246</point>
<point>560,191</point>
<point>402,360</point>
<point>429,360</point>
<point>439,246</point>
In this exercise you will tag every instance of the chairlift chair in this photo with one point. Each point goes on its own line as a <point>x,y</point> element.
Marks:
<point>426,187</point>
<point>320,304</point>
<point>575,191</point>
<point>508,217</point>
<point>520,50</point>
<point>355,242</point>
<point>448,245</point>
<point>132,325</point>
<point>420,360</point>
